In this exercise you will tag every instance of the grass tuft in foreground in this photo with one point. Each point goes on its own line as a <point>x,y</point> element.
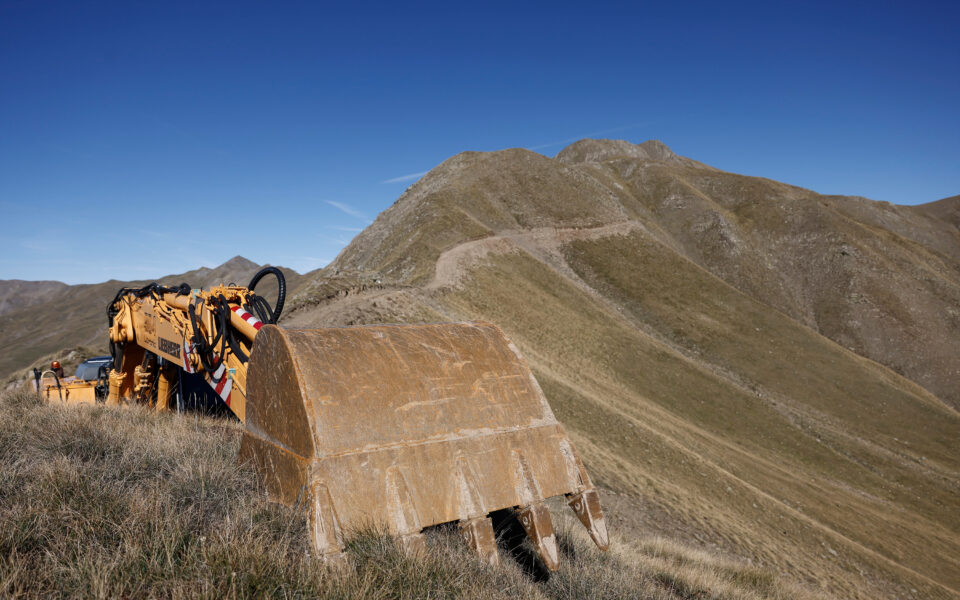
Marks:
<point>106,502</point>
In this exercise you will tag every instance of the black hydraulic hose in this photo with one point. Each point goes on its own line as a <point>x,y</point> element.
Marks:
<point>237,348</point>
<point>102,389</point>
<point>260,308</point>
<point>229,337</point>
<point>225,332</point>
<point>154,289</point>
<point>203,349</point>
<point>56,378</point>
<point>274,314</point>
<point>180,401</point>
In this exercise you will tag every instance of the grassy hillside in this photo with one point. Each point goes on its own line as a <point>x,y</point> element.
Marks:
<point>107,502</point>
<point>725,418</point>
<point>684,323</point>
<point>777,439</point>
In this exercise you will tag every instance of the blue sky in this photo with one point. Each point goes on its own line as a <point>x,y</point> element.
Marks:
<point>140,139</point>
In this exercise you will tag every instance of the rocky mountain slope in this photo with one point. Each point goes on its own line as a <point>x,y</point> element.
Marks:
<point>750,365</point>
<point>16,293</point>
<point>879,279</point>
<point>946,210</point>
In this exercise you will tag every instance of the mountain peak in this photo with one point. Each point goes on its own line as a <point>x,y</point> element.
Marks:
<point>591,150</point>
<point>239,262</point>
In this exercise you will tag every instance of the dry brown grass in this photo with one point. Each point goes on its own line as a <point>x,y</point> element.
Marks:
<point>105,502</point>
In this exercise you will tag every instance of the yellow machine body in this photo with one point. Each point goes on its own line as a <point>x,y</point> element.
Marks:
<point>68,390</point>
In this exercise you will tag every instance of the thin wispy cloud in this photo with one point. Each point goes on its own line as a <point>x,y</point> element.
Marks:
<point>402,178</point>
<point>347,229</point>
<point>348,209</point>
<point>334,239</point>
<point>54,242</point>
<point>587,135</point>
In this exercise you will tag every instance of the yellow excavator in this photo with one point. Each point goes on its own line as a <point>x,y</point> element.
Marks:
<point>398,426</point>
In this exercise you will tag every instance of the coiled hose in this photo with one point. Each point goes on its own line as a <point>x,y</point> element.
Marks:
<point>260,306</point>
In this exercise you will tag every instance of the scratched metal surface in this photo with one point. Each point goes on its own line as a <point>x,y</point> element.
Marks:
<point>402,425</point>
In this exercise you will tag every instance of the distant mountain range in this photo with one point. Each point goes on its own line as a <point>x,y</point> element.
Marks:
<point>42,318</point>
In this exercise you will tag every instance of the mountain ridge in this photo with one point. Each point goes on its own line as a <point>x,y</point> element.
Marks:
<point>602,150</point>
<point>947,209</point>
<point>828,261</point>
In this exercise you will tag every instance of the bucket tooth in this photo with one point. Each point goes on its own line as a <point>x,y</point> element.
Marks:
<point>535,519</point>
<point>587,507</point>
<point>478,534</point>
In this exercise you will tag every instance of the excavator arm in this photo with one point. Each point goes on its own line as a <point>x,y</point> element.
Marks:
<point>405,426</point>
<point>156,332</point>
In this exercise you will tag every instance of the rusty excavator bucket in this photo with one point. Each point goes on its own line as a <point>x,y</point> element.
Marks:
<point>409,426</point>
